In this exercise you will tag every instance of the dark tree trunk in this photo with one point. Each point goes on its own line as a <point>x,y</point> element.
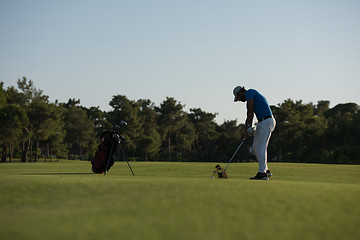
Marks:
<point>4,152</point>
<point>11,150</point>
<point>36,149</point>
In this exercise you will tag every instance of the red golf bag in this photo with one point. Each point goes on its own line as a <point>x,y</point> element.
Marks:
<point>104,155</point>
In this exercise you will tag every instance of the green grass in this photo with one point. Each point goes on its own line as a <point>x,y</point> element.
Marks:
<point>63,200</point>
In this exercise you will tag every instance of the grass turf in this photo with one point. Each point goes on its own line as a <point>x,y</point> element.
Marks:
<point>63,200</point>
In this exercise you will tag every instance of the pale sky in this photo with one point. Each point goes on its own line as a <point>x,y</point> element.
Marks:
<point>196,51</point>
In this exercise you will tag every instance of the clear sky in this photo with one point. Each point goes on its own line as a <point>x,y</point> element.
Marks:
<point>196,51</point>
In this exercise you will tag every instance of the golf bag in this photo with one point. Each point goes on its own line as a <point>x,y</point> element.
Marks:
<point>220,172</point>
<point>104,155</point>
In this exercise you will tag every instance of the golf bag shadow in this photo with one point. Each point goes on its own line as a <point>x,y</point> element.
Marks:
<point>104,155</point>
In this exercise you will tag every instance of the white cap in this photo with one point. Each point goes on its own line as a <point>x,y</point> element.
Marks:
<point>236,91</point>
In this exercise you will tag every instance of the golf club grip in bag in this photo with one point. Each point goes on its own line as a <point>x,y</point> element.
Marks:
<point>104,155</point>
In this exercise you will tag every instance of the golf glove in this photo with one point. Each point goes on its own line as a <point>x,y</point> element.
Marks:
<point>250,131</point>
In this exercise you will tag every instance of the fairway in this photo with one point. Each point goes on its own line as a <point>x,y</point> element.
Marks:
<point>64,200</point>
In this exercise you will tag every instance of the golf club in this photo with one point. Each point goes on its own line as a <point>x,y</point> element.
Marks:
<point>241,143</point>
<point>121,123</point>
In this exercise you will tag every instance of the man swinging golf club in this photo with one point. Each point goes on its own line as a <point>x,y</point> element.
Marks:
<point>257,103</point>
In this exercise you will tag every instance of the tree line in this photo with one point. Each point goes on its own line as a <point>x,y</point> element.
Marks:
<point>32,127</point>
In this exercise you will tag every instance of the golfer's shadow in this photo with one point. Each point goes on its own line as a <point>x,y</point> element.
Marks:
<point>59,173</point>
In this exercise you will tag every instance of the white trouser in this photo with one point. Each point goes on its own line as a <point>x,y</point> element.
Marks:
<point>261,141</point>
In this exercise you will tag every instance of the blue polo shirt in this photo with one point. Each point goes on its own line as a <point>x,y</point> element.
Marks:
<point>261,106</point>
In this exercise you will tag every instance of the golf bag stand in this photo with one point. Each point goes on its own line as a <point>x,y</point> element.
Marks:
<point>125,158</point>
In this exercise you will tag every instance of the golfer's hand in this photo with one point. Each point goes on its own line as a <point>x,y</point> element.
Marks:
<point>246,134</point>
<point>250,131</point>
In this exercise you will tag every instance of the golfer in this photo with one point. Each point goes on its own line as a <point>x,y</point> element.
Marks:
<point>257,103</point>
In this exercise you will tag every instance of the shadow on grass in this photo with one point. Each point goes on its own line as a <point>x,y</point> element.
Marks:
<point>60,173</point>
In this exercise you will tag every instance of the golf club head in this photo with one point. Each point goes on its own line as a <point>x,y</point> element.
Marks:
<point>123,123</point>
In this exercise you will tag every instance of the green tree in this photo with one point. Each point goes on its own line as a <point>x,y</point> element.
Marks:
<point>13,120</point>
<point>299,134</point>
<point>99,118</point>
<point>29,92</point>
<point>321,107</point>
<point>342,135</point>
<point>54,142</point>
<point>80,135</point>
<point>204,146</point>
<point>171,118</point>
<point>184,140</point>
<point>13,96</point>
<point>3,100</point>
<point>127,110</point>
<point>230,136</point>
<point>34,102</point>
<point>45,122</point>
<point>150,139</point>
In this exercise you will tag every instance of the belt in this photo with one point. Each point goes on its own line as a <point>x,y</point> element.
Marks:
<point>262,119</point>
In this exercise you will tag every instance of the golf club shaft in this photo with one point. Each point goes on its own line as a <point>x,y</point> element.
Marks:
<point>234,154</point>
